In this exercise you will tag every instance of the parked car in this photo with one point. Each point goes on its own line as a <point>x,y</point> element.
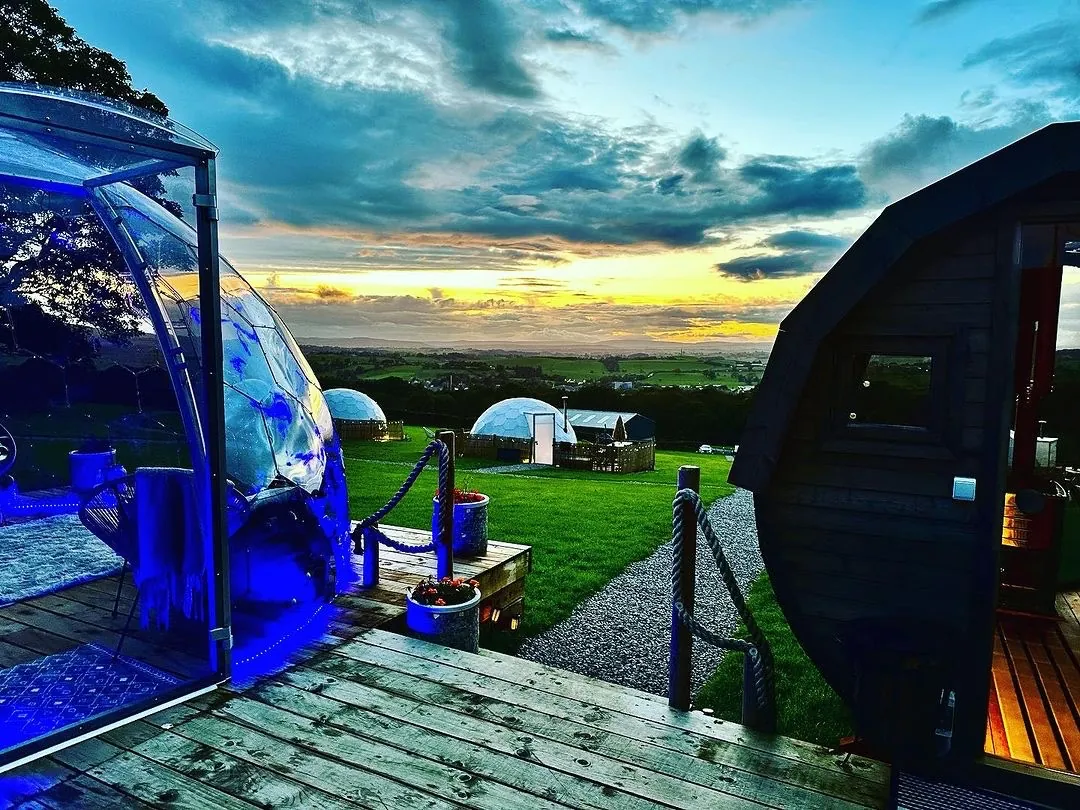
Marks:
<point>706,448</point>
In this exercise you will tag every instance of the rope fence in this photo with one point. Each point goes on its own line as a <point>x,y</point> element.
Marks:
<point>367,536</point>
<point>759,702</point>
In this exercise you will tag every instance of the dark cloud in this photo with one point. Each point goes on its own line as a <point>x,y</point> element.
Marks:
<point>937,9</point>
<point>654,16</point>
<point>925,148</point>
<point>792,186</point>
<point>487,44</point>
<point>572,36</point>
<point>1043,56</point>
<point>804,240</point>
<point>801,253</point>
<point>701,157</point>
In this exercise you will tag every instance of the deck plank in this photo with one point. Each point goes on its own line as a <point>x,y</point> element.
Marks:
<point>685,733</point>
<point>1012,716</point>
<point>83,792</point>
<point>584,779</point>
<point>1062,711</point>
<point>727,769</point>
<point>451,771</point>
<point>1038,715</point>
<point>603,696</point>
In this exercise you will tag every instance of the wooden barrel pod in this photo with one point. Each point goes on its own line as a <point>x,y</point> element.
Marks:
<point>876,447</point>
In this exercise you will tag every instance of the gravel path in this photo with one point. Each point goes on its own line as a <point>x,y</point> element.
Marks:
<point>628,643</point>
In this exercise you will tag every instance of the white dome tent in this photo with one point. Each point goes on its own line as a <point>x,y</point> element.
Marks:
<point>358,416</point>
<point>353,405</point>
<point>529,419</point>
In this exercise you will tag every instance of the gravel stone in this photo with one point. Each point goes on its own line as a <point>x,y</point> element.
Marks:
<point>626,643</point>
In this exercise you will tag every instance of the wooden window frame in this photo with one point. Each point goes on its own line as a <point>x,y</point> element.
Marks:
<point>939,438</point>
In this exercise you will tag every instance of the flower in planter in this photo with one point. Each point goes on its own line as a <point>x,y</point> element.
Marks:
<point>465,495</point>
<point>445,591</point>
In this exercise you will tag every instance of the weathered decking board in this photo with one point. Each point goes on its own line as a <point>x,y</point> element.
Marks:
<point>381,720</point>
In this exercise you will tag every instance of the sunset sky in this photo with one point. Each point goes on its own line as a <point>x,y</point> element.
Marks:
<point>579,174</point>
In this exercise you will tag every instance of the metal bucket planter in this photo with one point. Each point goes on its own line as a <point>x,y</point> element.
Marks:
<point>456,626</point>
<point>470,526</point>
<point>89,468</point>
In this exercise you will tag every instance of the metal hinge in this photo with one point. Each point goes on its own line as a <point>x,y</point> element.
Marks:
<point>222,634</point>
<point>207,201</point>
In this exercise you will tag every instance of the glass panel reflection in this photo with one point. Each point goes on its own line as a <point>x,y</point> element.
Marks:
<point>102,558</point>
<point>289,530</point>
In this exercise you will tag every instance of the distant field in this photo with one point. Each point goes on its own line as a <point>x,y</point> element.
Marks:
<point>677,371</point>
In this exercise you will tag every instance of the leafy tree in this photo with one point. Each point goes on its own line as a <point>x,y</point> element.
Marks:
<point>36,45</point>
<point>55,255</point>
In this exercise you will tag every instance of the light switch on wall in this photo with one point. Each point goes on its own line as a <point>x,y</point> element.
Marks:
<point>963,489</point>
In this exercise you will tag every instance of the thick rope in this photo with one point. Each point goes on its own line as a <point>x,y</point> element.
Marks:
<point>758,649</point>
<point>368,527</point>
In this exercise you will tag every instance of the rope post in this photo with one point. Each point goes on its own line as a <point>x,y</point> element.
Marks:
<point>681,635</point>
<point>370,576</point>
<point>444,543</point>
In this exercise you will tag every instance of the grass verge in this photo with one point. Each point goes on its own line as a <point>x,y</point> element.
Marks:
<point>807,707</point>
<point>584,528</point>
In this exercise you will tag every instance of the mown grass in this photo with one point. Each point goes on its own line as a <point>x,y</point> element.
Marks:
<point>584,528</point>
<point>807,707</point>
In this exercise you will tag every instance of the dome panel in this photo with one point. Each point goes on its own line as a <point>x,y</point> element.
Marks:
<point>347,403</point>
<point>512,418</point>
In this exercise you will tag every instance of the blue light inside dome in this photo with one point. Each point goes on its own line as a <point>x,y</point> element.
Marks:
<point>280,641</point>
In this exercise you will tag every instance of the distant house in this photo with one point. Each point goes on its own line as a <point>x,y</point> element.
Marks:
<point>623,385</point>
<point>593,426</point>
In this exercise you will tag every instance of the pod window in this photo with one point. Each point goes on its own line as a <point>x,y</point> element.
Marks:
<point>891,390</point>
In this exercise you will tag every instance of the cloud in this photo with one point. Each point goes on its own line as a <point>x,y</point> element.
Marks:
<point>701,157</point>
<point>1044,57</point>
<point>939,9</point>
<point>924,148</point>
<point>655,16</point>
<point>792,186</point>
<point>565,35</point>
<point>487,42</point>
<point>792,253</point>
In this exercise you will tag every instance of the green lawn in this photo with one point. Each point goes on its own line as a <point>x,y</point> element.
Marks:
<point>807,707</point>
<point>584,527</point>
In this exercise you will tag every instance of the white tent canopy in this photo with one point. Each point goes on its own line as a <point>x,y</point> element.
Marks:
<point>347,403</point>
<point>513,418</point>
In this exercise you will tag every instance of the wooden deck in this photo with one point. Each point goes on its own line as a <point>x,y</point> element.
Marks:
<point>380,720</point>
<point>1034,712</point>
<point>369,718</point>
<point>82,614</point>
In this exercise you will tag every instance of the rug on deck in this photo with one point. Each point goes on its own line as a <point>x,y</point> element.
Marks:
<point>45,555</point>
<point>66,688</point>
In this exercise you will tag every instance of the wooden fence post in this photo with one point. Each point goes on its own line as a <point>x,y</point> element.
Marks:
<point>679,662</point>
<point>444,543</point>
<point>370,574</point>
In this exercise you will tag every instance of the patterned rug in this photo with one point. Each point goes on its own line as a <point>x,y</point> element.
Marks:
<point>66,688</point>
<point>45,555</point>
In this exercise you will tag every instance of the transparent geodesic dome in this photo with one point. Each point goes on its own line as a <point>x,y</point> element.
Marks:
<point>352,405</point>
<point>513,418</point>
<point>114,440</point>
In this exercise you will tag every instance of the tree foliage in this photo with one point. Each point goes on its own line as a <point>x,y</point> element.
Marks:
<point>55,256</point>
<point>36,45</point>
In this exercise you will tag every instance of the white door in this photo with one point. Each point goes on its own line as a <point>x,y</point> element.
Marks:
<point>543,438</point>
